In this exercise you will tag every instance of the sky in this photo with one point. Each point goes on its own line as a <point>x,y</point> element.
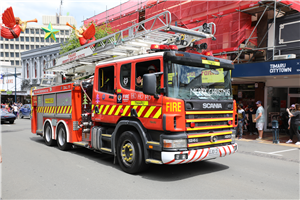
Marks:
<point>79,9</point>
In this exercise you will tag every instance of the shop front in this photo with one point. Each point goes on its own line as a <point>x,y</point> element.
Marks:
<point>276,84</point>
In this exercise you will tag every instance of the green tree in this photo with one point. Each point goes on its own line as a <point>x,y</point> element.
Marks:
<point>73,42</point>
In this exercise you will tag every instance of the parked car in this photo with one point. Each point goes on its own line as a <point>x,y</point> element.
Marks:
<point>7,117</point>
<point>25,111</point>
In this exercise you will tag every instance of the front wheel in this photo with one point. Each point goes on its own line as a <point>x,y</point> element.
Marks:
<point>130,153</point>
<point>62,138</point>
<point>48,135</point>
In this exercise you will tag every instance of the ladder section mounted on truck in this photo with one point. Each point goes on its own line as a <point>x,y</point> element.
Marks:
<point>134,40</point>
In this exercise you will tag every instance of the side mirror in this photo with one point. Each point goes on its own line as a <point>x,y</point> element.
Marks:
<point>149,84</point>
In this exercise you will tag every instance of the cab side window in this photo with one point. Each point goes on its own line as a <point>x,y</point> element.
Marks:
<point>125,75</point>
<point>106,80</point>
<point>142,68</point>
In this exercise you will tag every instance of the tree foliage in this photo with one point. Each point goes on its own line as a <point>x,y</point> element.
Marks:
<point>73,42</point>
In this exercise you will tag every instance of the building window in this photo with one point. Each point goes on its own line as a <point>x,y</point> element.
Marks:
<point>17,46</point>
<point>6,39</point>
<point>47,40</point>
<point>6,46</point>
<point>17,62</point>
<point>2,54</point>
<point>26,30</point>
<point>62,32</point>
<point>42,32</point>
<point>17,39</point>
<point>67,32</point>
<point>11,46</point>
<point>35,71</point>
<point>17,55</point>
<point>12,62</point>
<point>37,31</point>
<point>1,38</point>
<point>12,55</point>
<point>37,39</point>
<point>32,31</point>
<point>6,54</point>
<point>2,46</point>
<point>42,46</point>
<point>31,46</point>
<point>27,70</point>
<point>57,40</point>
<point>32,39</point>
<point>22,39</point>
<point>42,39</point>
<point>27,39</point>
<point>37,46</point>
<point>62,40</point>
<point>22,46</point>
<point>27,47</point>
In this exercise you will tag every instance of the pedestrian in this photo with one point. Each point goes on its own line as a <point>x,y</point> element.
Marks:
<point>241,119</point>
<point>15,110</point>
<point>295,123</point>
<point>259,119</point>
<point>250,116</point>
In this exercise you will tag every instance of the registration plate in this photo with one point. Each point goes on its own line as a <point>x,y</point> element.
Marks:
<point>183,156</point>
<point>213,151</point>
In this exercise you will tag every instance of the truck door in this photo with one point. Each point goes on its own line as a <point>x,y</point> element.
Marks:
<point>105,94</point>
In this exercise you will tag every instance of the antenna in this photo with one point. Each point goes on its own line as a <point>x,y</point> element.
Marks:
<point>61,2</point>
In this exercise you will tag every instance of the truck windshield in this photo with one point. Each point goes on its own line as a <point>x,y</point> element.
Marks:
<point>190,82</point>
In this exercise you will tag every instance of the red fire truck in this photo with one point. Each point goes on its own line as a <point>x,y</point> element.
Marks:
<point>162,107</point>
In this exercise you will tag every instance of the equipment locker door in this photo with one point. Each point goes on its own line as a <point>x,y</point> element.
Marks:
<point>40,113</point>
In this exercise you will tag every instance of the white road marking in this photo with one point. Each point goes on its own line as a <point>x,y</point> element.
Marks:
<point>274,153</point>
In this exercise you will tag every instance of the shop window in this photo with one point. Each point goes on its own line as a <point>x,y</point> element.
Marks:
<point>294,90</point>
<point>106,80</point>
<point>125,76</point>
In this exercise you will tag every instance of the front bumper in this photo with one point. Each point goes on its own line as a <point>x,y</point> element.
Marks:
<point>198,154</point>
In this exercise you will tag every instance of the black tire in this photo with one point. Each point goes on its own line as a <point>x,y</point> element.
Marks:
<point>22,116</point>
<point>11,121</point>
<point>130,153</point>
<point>48,135</point>
<point>62,138</point>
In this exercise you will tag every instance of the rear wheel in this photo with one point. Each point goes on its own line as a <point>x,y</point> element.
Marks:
<point>48,135</point>
<point>130,153</point>
<point>62,138</point>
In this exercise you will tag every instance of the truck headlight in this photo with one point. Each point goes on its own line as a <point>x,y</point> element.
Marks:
<point>171,144</point>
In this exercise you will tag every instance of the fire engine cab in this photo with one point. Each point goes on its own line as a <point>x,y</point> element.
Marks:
<point>164,106</point>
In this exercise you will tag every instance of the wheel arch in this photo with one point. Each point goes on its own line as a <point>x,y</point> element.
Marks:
<point>130,125</point>
<point>52,129</point>
<point>66,128</point>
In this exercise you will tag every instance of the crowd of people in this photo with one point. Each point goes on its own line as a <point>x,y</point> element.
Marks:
<point>12,108</point>
<point>254,121</point>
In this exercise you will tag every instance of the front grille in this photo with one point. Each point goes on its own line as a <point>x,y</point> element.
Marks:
<point>211,128</point>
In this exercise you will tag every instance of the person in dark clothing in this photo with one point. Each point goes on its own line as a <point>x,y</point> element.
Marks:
<point>241,119</point>
<point>250,113</point>
<point>285,122</point>
<point>295,123</point>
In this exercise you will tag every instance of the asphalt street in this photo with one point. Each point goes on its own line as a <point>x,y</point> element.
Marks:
<point>32,170</point>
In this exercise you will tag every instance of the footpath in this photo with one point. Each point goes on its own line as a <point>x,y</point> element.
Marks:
<point>268,138</point>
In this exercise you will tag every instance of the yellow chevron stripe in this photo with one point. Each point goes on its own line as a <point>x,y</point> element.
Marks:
<point>125,110</point>
<point>100,110</point>
<point>67,111</point>
<point>52,110</point>
<point>65,108</point>
<point>149,111</point>
<point>105,110</point>
<point>55,108</point>
<point>112,110</point>
<point>46,109</point>
<point>71,110</point>
<point>141,110</point>
<point>158,113</point>
<point>118,110</point>
<point>93,108</point>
